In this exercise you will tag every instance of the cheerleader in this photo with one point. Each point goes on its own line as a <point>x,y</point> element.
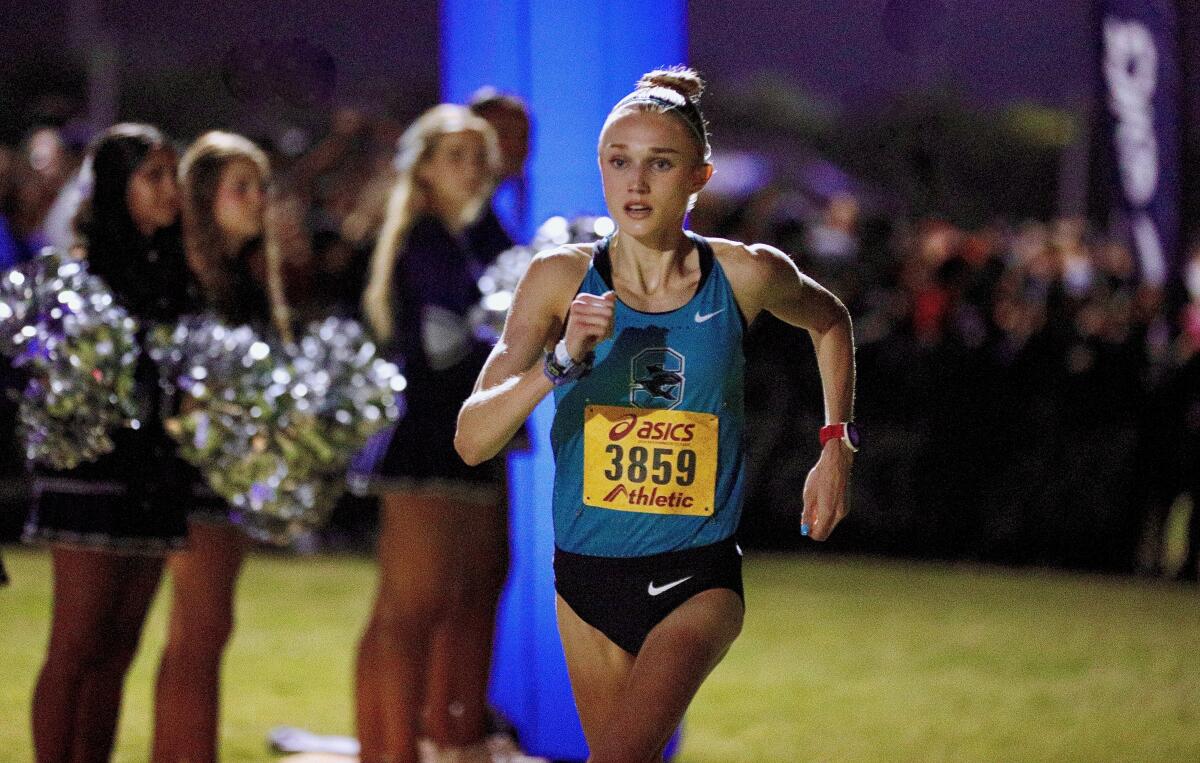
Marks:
<point>443,540</point>
<point>109,523</point>
<point>223,179</point>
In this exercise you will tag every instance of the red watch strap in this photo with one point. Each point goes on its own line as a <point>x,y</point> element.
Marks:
<point>831,432</point>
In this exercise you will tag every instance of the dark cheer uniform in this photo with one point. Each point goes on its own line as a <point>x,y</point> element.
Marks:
<point>136,498</point>
<point>435,287</point>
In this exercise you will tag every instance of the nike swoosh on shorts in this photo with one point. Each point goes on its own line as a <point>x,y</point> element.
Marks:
<point>654,590</point>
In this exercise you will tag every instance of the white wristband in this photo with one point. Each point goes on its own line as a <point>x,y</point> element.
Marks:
<point>561,356</point>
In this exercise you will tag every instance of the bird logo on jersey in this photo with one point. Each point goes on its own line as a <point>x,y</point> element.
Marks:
<point>656,378</point>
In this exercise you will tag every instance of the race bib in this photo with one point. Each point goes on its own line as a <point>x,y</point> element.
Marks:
<point>649,460</point>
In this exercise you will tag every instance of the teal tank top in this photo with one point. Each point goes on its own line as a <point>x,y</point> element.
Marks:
<point>648,447</point>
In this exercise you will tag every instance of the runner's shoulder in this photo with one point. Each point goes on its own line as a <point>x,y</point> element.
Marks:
<point>560,269</point>
<point>749,262</point>
<point>567,259</point>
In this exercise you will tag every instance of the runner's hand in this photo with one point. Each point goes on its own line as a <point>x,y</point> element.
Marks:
<point>589,322</point>
<point>825,497</point>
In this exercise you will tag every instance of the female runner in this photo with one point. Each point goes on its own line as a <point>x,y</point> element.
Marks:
<point>223,177</point>
<point>111,522</point>
<point>639,337</point>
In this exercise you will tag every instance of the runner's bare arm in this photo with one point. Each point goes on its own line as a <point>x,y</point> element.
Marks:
<point>796,299</point>
<point>774,283</point>
<point>511,383</point>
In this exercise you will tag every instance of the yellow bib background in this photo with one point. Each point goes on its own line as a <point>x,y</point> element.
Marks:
<point>649,460</point>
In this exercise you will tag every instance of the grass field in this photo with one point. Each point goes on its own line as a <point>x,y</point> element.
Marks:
<point>840,659</point>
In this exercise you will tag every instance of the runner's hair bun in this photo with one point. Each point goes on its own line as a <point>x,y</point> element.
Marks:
<point>681,79</point>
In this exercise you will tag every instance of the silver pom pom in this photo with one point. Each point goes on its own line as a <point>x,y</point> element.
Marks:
<point>63,328</point>
<point>498,284</point>
<point>272,427</point>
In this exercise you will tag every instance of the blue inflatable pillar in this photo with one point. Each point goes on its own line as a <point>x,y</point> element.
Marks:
<point>570,61</point>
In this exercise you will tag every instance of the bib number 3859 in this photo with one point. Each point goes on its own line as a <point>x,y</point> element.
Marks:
<point>649,460</point>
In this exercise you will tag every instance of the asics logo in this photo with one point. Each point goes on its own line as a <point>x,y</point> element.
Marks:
<point>654,590</point>
<point>702,317</point>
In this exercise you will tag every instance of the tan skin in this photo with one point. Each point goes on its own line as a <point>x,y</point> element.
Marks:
<point>442,562</point>
<point>100,598</point>
<point>204,576</point>
<point>454,174</point>
<point>153,192</point>
<point>240,204</point>
<point>650,165</point>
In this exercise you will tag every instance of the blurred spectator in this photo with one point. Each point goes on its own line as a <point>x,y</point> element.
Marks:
<point>12,247</point>
<point>1171,444</point>
<point>1189,383</point>
<point>21,206</point>
<point>509,118</point>
<point>328,209</point>
<point>834,238</point>
<point>53,163</point>
<point>49,156</point>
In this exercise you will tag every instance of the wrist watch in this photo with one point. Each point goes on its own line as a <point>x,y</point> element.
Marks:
<point>560,368</point>
<point>847,432</point>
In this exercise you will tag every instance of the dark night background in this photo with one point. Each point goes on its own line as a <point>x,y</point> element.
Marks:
<point>926,159</point>
<point>864,52</point>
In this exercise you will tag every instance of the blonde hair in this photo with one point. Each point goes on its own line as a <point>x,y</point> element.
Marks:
<point>408,200</point>
<point>206,245</point>
<point>674,90</point>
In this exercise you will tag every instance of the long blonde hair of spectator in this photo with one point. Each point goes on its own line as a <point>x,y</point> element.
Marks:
<point>409,199</point>
<point>199,175</point>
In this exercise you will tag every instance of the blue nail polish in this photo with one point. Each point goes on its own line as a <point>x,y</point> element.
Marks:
<point>804,529</point>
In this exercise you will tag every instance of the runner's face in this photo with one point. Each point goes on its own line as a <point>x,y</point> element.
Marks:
<point>153,193</point>
<point>650,168</point>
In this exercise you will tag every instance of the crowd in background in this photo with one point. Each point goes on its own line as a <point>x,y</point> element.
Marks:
<point>1026,399</point>
<point>1022,397</point>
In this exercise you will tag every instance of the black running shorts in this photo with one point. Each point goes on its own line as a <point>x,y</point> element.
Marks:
<point>625,597</point>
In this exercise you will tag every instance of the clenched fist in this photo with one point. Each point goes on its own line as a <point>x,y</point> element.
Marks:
<point>589,322</point>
